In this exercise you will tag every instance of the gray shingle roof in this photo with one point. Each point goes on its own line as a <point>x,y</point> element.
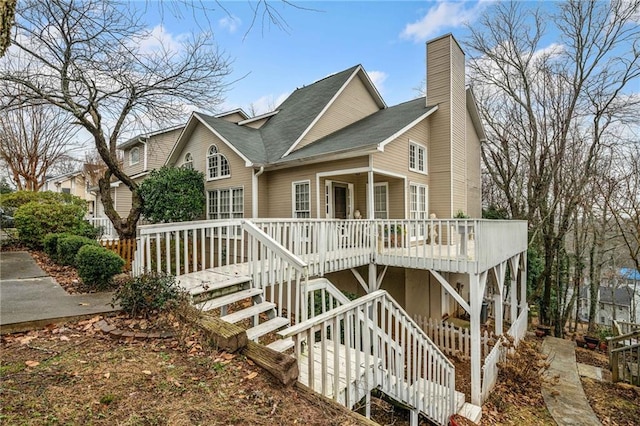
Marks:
<point>298,111</point>
<point>369,131</point>
<point>621,294</point>
<point>245,139</point>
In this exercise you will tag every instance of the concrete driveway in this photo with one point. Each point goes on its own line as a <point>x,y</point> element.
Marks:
<point>30,299</point>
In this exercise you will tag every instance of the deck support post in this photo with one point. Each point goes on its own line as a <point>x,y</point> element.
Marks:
<point>514,264</point>
<point>413,417</point>
<point>498,299</point>
<point>474,314</point>
<point>523,282</point>
<point>373,277</point>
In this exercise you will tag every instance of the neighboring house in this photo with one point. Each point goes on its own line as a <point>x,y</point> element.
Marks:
<point>74,183</point>
<point>142,154</point>
<point>620,302</point>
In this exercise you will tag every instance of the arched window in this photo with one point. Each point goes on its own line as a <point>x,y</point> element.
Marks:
<point>188,161</point>
<point>134,156</point>
<point>217,164</point>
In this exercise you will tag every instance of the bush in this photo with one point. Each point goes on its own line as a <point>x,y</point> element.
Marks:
<point>173,194</point>
<point>148,293</point>
<point>34,220</point>
<point>68,247</point>
<point>19,198</point>
<point>97,266</point>
<point>87,230</point>
<point>50,244</point>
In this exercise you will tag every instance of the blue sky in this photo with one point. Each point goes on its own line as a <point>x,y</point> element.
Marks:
<point>387,38</point>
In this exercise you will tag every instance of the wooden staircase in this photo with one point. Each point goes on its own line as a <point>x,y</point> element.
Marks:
<point>237,301</point>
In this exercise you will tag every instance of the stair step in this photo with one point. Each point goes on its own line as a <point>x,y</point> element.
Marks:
<point>267,326</point>
<point>460,400</point>
<point>471,412</point>
<point>197,283</point>
<point>228,299</point>
<point>248,312</point>
<point>281,345</point>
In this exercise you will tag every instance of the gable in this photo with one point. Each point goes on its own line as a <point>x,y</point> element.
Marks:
<point>159,147</point>
<point>354,103</point>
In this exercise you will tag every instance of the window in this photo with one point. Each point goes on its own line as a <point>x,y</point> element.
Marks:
<point>134,156</point>
<point>417,158</point>
<point>418,201</point>
<point>217,164</point>
<point>188,161</point>
<point>66,190</point>
<point>380,201</point>
<point>226,203</point>
<point>301,199</point>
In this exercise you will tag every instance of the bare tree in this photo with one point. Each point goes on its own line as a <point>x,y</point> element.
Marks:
<point>551,110</point>
<point>34,140</point>
<point>88,58</point>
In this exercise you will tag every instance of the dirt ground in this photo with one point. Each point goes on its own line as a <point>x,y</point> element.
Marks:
<point>613,403</point>
<point>76,375</point>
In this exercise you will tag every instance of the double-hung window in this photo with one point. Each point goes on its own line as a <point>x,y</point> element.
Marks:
<point>188,161</point>
<point>217,164</point>
<point>417,158</point>
<point>226,203</point>
<point>301,199</point>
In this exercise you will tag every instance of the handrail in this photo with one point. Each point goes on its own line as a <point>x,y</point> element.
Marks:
<point>317,320</point>
<point>621,337</point>
<point>625,348</point>
<point>180,226</point>
<point>295,261</point>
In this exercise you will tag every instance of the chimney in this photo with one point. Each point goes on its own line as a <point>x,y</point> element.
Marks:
<point>446,88</point>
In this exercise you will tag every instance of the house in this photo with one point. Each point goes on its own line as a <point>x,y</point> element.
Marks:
<point>74,183</point>
<point>336,189</point>
<point>618,298</point>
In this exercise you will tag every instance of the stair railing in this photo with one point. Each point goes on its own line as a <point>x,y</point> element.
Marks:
<point>282,275</point>
<point>371,343</point>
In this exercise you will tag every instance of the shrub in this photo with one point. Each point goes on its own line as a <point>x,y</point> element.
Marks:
<point>87,230</point>
<point>173,194</point>
<point>148,293</point>
<point>68,247</point>
<point>97,266</point>
<point>50,244</point>
<point>35,219</point>
<point>20,198</point>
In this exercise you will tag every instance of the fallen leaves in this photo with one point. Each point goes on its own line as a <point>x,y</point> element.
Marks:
<point>251,376</point>
<point>31,364</point>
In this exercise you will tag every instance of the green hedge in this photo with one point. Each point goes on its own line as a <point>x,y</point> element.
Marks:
<point>97,266</point>
<point>20,198</point>
<point>35,219</point>
<point>50,244</point>
<point>68,247</point>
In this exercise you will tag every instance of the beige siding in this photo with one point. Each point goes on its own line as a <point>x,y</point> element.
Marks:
<point>354,103</point>
<point>159,147</point>
<point>233,117</point>
<point>258,123</point>
<point>198,145</point>
<point>136,168</point>
<point>458,134</point>
<point>122,200</point>
<point>280,184</point>
<point>474,182</point>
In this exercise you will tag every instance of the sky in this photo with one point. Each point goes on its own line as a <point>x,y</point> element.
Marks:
<point>319,39</point>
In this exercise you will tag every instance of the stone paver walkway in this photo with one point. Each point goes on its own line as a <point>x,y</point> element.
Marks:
<point>30,299</point>
<point>565,398</point>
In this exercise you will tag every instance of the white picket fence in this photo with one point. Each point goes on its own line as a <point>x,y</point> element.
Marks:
<point>452,340</point>
<point>499,354</point>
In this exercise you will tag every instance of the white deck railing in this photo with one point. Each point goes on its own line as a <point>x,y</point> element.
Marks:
<point>499,354</point>
<point>108,232</point>
<point>372,343</point>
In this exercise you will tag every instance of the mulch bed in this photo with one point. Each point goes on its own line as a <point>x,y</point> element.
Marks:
<point>596,358</point>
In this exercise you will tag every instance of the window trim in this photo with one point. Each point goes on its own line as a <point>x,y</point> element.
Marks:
<point>231,210</point>
<point>188,161</point>
<point>220,157</point>
<point>419,147</point>
<point>136,149</point>
<point>294,211</point>
<point>385,185</point>
<point>426,199</point>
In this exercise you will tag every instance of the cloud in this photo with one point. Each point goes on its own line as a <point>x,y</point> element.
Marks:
<point>158,39</point>
<point>378,78</point>
<point>266,104</point>
<point>230,23</point>
<point>441,16</point>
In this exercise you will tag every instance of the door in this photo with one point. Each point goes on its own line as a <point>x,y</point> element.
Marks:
<point>340,202</point>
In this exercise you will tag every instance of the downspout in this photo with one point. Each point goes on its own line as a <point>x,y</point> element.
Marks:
<point>254,192</point>
<point>145,154</point>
